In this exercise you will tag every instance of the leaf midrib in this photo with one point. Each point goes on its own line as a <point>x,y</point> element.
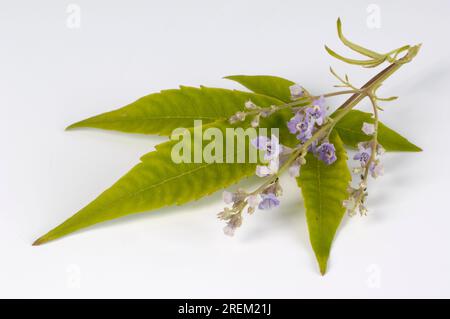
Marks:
<point>130,195</point>
<point>320,196</point>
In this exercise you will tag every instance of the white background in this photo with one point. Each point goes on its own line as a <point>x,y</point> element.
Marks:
<point>52,75</point>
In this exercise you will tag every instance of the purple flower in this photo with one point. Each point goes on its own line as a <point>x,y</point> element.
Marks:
<point>326,153</point>
<point>296,91</point>
<point>271,146</point>
<point>320,101</point>
<point>364,154</point>
<point>306,131</point>
<point>260,142</point>
<point>317,111</point>
<point>303,125</point>
<point>273,149</point>
<point>268,201</point>
<point>294,122</point>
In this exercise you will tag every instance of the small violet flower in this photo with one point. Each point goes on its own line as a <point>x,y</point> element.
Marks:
<point>326,153</point>
<point>296,91</point>
<point>271,146</point>
<point>272,149</point>
<point>268,201</point>
<point>303,125</point>
<point>317,111</point>
<point>364,154</point>
<point>294,122</point>
<point>368,129</point>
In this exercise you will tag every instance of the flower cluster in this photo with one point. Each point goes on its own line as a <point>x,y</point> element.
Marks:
<point>364,156</point>
<point>326,152</point>
<point>265,198</point>
<point>369,163</point>
<point>305,123</point>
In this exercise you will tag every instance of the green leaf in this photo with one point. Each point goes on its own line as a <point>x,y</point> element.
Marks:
<point>349,129</point>
<point>154,183</point>
<point>161,113</point>
<point>324,188</point>
<point>273,86</point>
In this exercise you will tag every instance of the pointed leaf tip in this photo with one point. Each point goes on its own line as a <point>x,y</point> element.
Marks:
<point>160,113</point>
<point>324,188</point>
<point>323,268</point>
<point>71,127</point>
<point>39,241</point>
<point>349,129</point>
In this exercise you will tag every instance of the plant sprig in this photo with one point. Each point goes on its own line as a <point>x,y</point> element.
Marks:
<point>310,147</point>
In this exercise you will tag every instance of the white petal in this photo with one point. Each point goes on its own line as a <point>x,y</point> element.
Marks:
<point>368,128</point>
<point>296,90</point>
<point>227,197</point>
<point>349,203</point>
<point>262,171</point>
<point>253,200</point>
<point>229,230</point>
<point>274,164</point>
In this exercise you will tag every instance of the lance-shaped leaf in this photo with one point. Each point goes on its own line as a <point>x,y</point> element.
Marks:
<point>161,113</point>
<point>160,181</point>
<point>324,188</point>
<point>349,127</point>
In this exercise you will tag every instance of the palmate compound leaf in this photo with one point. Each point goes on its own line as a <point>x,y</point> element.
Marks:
<point>158,181</point>
<point>349,127</point>
<point>324,188</point>
<point>161,113</point>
